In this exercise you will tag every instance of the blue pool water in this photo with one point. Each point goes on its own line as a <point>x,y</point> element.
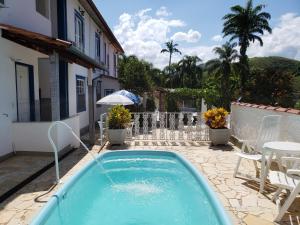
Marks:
<point>147,188</point>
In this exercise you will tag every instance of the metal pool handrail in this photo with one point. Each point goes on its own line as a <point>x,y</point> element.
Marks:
<point>56,123</point>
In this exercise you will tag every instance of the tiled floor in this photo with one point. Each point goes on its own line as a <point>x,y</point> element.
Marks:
<point>240,197</point>
<point>19,167</point>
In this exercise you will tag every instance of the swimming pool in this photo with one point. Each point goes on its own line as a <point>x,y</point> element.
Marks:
<point>137,188</point>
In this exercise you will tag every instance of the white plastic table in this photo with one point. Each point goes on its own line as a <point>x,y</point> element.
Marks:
<point>275,147</point>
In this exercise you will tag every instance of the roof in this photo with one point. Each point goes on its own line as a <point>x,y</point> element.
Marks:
<point>49,45</point>
<point>102,23</point>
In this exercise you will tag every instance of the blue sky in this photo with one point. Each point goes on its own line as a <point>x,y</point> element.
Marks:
<point>193,24</point>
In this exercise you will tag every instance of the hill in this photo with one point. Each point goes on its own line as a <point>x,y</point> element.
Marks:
<point>280,63</point>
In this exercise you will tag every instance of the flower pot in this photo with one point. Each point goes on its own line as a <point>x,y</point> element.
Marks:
<point>116,136</point>
<point>219,136</point>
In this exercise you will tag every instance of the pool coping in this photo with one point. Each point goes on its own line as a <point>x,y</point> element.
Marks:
<point>217,206</point>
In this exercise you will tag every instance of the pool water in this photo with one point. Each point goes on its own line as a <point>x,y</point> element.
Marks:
<point>135,188</point>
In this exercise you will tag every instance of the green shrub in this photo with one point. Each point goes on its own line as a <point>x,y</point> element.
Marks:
<point>150,105</point>
<point>171,104</point>
<point>118,117</point>
<point>297,105</point>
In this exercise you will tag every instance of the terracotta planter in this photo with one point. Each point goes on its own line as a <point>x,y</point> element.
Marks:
<point>219,136</point>
<point>116,136</point>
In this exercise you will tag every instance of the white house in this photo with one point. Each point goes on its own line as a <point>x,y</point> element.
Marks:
<point>57,58</point>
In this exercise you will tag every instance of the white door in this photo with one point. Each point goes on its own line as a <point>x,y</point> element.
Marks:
<point>23,94</point>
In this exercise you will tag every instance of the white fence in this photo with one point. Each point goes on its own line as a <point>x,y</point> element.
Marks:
<point>246,119</point>
<point>173,126</point>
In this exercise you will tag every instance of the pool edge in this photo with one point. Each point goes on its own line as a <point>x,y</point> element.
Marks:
<point>215,201</point>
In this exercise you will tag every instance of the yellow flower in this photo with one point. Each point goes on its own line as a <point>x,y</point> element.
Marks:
<point>216,118</point>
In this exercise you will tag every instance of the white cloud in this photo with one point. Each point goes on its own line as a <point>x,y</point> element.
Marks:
<point>217,38</point>
<point>162,11</point>
<point>284,40</point>
<point>191,36</point>
<point>144,35</point>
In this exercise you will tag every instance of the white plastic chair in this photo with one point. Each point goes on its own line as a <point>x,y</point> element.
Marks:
<point>286,181</point>
<point>269,131</point>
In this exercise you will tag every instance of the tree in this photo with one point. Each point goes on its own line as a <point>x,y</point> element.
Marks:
<point>270,86</point>
<point>171,49</point>
<point>134,74</point>
<point>246,25</point>
<point>172,74</point>
<point>190,72</point>
<point>221,68</point>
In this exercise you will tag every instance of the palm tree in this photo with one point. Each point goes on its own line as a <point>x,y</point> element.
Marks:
<point>246,25</point>
<point>190,71</point>
<point>171,49</point>
<point>221,67</point>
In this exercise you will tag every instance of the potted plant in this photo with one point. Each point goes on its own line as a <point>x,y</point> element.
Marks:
<point>219,134</point>
<point>118,119</point>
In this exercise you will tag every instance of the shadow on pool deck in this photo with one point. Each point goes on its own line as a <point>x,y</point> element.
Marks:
<point>19,170</point>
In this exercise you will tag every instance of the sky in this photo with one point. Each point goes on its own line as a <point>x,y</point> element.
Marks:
<point>143,26</point>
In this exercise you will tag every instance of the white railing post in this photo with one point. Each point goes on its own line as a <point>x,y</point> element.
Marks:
<point>56,123</point>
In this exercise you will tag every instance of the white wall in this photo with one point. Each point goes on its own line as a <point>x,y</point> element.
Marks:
<point>36,138</point>
<point>107,83</point>
<point>5,135</point>
<point>23,14</point>
<point>245,123</point>
<point>9,54</point>
<point>74,70</point>
<point>90,28</point>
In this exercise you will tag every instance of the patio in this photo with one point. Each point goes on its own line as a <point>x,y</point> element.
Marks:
<point>240,197</point>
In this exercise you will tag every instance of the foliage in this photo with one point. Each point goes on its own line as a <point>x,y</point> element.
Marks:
<point>211,92</point>
<point>134,74</point>
<point>118,117</point>
<point>221,69</point>
<point>185,93</point>
<point>150,105</point>
<point>190,72</point>
<point>246,24</point>
<point>186,73</point>
<point>171,48</point>
<point>178,94</point>
<point>171,104</point>
<point>279,63</point>
<point>273,81</point>
<point>270,86</point>
<point>216,118</point>
<point>297,105</point>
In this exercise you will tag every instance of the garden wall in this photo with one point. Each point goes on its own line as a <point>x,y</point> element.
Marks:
<point>246,118</point>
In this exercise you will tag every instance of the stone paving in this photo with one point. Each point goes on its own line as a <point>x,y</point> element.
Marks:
<point>19,167</point>
<point>240,197</point>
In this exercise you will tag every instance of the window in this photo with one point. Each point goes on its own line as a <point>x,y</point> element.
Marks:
<point>97,47</point>
<point>80,93</point>
<point>42,7</point>
<point>79,31</point>
<point>108,91</point>
<point>98,90</point>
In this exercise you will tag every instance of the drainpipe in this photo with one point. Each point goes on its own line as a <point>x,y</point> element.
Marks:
<point>91,107</point>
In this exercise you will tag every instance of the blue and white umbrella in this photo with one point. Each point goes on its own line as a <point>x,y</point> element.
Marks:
<point>135,98</point>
